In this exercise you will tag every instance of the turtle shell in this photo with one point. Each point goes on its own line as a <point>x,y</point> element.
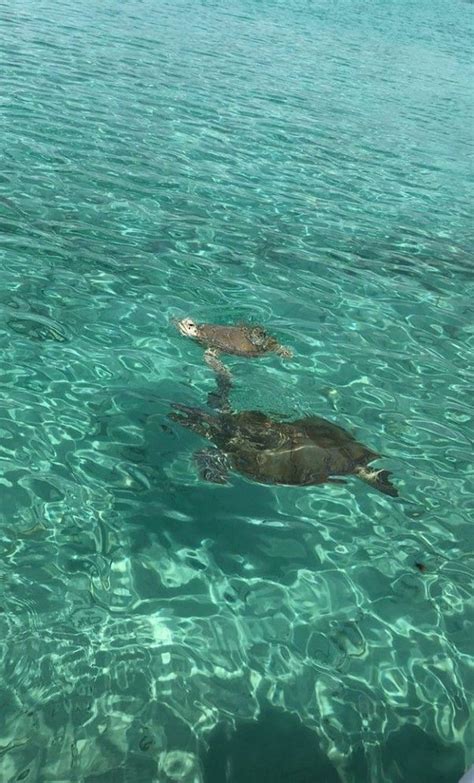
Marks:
<point>306,451</point>
<point>239,340</point>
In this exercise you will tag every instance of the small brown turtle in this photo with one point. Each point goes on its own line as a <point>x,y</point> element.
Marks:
<point>240,340</point>
<point>305,451</point>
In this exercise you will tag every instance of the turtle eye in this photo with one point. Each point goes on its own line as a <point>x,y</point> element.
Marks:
<point>188,327</point>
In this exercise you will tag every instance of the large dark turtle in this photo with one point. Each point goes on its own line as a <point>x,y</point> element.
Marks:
<point>240,340</point>
<point>305,451</point>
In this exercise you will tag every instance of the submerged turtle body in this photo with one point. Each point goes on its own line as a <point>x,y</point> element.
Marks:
<point>241,340</point>
<point>305,451</point>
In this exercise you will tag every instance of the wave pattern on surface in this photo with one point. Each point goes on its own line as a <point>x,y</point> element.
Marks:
<point>298,165</point>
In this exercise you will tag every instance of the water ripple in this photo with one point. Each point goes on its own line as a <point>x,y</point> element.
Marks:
<point>304,166</point>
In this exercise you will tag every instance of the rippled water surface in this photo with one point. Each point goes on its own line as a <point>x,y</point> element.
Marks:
<point>302,165</point>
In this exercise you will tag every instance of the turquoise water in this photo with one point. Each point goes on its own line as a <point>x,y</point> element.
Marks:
<point>307,166</point>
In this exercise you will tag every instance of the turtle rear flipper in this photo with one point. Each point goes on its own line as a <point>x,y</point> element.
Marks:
<point>212,466</point>
<point>284,352</point>
<point>379,479</point>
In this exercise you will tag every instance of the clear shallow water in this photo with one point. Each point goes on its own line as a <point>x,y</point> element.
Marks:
<point>303,165</point>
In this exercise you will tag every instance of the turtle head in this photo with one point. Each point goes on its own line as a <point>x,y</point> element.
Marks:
<point>193,419</point>
<point>188,327</point>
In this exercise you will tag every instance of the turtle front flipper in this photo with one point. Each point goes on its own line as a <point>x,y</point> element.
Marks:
<point>219,399</point>
<point>377,479</point>
<point>212,465</point>
<point>212,361</point>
